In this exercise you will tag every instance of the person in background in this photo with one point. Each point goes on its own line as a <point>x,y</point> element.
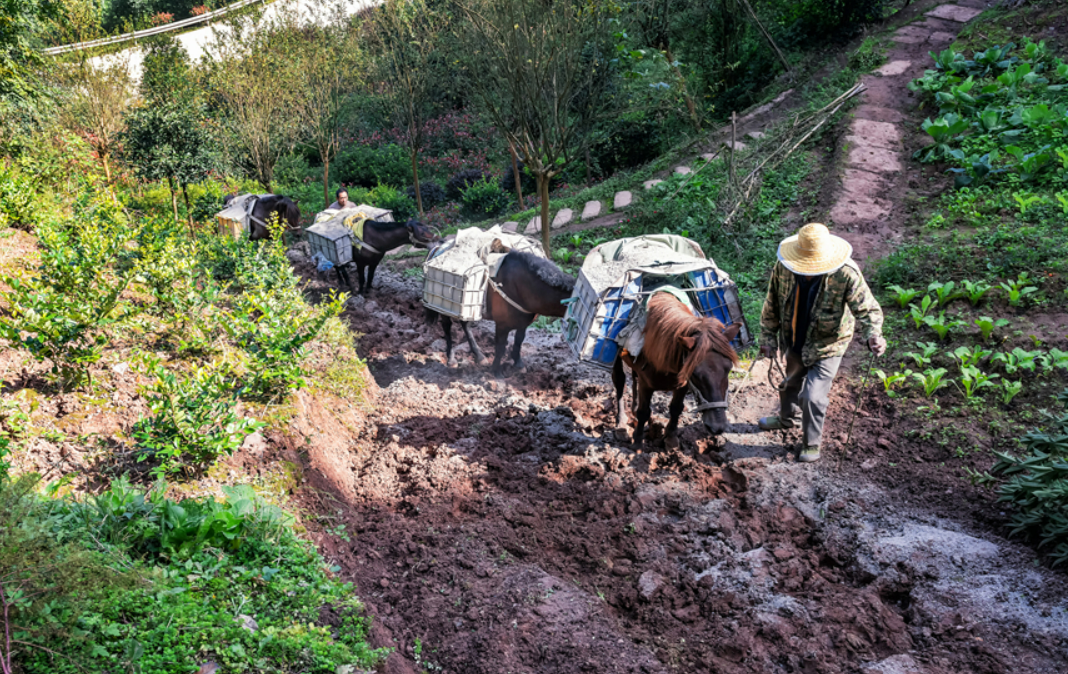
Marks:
<point>342,201</point>
<point>815,298</point>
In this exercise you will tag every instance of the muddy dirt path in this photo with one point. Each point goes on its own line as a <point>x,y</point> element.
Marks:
<point>497,525</point>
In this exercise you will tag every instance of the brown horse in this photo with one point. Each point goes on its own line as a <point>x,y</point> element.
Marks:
<point>682,352</point>
<point>535,284</point>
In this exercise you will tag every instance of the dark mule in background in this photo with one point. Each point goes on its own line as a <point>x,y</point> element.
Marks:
<point>535,284</point>
<point>682,352</point>
<point>381,237</point>
<point>273,204</point>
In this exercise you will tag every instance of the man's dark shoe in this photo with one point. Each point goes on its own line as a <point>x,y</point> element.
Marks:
<point>775,423</point>
<point>809,454</point>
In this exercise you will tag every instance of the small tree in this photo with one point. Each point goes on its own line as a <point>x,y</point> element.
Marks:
<point>93,102</point>
<point>528,63</point>
<point>407,31</point>
<point>170,141</point>
<point>328,73</point>
<point>252,78</point>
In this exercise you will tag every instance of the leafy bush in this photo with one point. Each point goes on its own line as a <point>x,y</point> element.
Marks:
<point>18,200</point>
<point>626,144</point>
<point>461,181</point>
<point>192,420</point>
<point>527,181</point>
<point>484,198</point>
<point>366,166</point>
<point>60,314</point>
<point>1037,484</point>
<point>431,192</point>
<point>272,327</point>
<point>385,196</point>
<point>292,168</point>
<point>200,580</point>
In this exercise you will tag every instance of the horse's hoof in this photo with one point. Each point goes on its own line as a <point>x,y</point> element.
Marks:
<point>483,362</point>
<point>671,443</point>
<point>450,363</point>
<point>621,434</point>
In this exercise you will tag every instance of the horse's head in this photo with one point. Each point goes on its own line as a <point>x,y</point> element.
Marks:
<point>227,199</point>
<point>420,235</point>
<point>710,379</point>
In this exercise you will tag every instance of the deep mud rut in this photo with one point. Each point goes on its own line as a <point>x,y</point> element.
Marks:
<point>500,524</point>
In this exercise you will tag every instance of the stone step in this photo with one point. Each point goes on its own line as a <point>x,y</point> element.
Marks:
<point>893,69</point>
<point>737,146</point>
<point>708,156</point>
<point>683,170</point>
<point>534,226</point>
<point>911,35</point>
<point>650,184</point>
<point>866,133</point>
<point>562,218</point>
<point>511,226</point>
<point>756,135</point>
<point>874,159</point>
<point>955,13</point>
<point>591,210</point>
<point>623,199</point>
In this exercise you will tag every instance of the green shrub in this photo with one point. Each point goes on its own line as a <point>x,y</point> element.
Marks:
<point>484,198</point>
<point>60,314</point>
<point>192,419</point>
<point>18,199</point>
<point>272,327</point>
<point>385,196</point>
<point>1036,485</point>
<point>366,166</point>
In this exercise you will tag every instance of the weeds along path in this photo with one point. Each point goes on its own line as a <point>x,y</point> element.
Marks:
<point>496,525</point>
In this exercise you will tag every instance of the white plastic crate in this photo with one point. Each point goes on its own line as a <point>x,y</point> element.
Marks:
<point>333,239</point>
<point>459,296</point>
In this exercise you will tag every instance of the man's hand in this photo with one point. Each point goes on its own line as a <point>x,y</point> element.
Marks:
<point>877,345</point>
<point>767,351</point>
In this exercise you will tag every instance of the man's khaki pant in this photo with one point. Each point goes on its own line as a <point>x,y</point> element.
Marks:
<point>806,392</point>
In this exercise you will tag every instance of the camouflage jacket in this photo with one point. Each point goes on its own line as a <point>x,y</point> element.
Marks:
<point>831,326</point>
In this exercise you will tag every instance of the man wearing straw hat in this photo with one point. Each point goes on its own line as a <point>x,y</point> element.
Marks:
<point>815,297</point>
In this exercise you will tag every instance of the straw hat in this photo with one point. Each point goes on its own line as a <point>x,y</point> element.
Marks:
<point>814,251</point>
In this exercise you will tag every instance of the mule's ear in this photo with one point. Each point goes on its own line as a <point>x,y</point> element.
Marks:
<point>688,341</point>
<point>731,331</point>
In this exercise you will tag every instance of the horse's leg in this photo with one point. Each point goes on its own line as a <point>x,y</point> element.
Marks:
<point>480,357</point>
<point>500,345</point>
<point>450,355</point>
<point>359,275</point>
<point>671,436</point>
<point>343,275</point>
<point>644,411</point>
<point>619,381</point>
<point>371,266</point>
<point>517,347</point>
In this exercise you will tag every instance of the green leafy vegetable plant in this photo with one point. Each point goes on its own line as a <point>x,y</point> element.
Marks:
<point>945,292</point>
<point>903,295</point>
<point>1009,390</point>
<point>973,380</point>
<point>927,351</point>
<point>975,290</point>
<point>931,380</point>
<point>940,325</point>
<point>970,357</point>
<point>1019,289</point>
<point>920,312</point>
<point>986,326</point>
<point>889,381</point>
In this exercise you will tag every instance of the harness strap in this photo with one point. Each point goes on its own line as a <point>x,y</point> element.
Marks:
<point>507,299</point>
<point>703,405</point>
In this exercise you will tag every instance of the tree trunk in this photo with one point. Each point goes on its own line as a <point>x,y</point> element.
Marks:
<point>107,168</point>
<point>516,176</point>
<point>543,194</point>
<point>174,198</point>
<point>188,210</point>
<point>415,182</point>
<point>589,164</point>
<point>326,182</point>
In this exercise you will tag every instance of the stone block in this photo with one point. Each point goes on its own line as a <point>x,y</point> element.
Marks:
<point>534,226</point>
<point>955,13</point>
<point>591,210</point>
<point>683,170</point>
<point>562,218</point>
<point>511,226</point>
<point>623,199</point>
<point>893,68</point>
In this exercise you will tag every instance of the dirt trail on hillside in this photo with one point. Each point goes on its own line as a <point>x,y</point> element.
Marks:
<point>499,524</point>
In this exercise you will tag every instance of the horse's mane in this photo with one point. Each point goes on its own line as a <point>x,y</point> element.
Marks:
<point>545,270</point>
<point>292,211</point>
<point>668,322</point>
